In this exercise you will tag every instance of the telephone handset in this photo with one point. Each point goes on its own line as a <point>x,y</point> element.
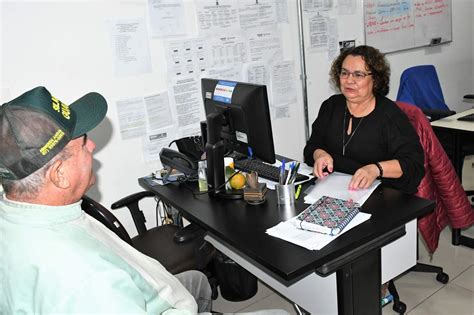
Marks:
<point>178,161</point>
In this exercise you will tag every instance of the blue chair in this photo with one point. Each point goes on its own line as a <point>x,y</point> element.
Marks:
<point>420,86</point>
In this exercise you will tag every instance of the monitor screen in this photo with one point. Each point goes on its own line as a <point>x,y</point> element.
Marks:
<point>245,116</point>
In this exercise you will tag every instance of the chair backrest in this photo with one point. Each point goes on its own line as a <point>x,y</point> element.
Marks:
<point>420,86</point>
<point>103,215</point>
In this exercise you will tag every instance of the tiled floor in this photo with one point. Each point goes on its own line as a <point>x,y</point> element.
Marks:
<point>422,294</point>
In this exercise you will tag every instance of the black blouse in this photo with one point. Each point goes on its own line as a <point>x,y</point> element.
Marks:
<point>384,134</point>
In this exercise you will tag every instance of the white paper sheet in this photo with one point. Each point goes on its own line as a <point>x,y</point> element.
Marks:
<point>307,239</point>
<point>283,83</point>
<point>227,49</point>
<point>158,110</point>
<point>217,17</point>
<point>166,17</point>
<point>336,185</point>
<point>264,44</point>
<point>131,117</point>
<point>254,15</point>
<point>131,48</point>
<point>155,141</point>
<point>186,97</point>
<point>186,57</point>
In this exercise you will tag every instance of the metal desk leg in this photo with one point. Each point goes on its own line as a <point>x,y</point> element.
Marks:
<point>457,238</point>
<point>358,286</point>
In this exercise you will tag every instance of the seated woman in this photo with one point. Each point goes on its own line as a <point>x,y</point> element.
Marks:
<point>360,131</point>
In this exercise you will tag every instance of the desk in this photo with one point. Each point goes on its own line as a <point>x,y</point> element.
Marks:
<point>349,267</point>
<point>457,129</point>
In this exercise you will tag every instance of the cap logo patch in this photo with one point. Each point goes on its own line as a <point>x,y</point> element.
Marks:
<point>52,142</point>
<point>60,107</point>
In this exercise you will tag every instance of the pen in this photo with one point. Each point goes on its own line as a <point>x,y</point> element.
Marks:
<point>282,172</point>
<point>295,172</point>
<point>250,152</point>
<point>298,191</point>
<point>289,176</point>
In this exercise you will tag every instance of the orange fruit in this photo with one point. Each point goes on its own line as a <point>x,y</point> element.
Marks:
<point>237,181</point>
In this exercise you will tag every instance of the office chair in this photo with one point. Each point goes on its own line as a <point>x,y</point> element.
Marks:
<point>420,86</point>
<point>177,249</point>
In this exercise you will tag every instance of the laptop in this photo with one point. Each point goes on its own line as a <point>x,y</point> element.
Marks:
<point>469,117</point>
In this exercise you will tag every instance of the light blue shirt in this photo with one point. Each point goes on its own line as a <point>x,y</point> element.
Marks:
<point>59,260</point>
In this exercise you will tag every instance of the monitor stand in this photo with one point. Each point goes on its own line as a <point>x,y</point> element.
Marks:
<point>215,149</point>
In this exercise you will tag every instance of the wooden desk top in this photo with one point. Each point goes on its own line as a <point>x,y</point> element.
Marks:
<point>243,226</point>
<point>451,122</point>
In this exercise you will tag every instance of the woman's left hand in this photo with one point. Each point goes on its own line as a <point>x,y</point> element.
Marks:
<point>364,177</point>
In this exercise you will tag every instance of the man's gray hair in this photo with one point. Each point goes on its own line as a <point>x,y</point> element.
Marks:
<point>31,185</point>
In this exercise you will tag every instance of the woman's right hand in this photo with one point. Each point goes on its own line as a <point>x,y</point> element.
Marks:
<point>322,160</point>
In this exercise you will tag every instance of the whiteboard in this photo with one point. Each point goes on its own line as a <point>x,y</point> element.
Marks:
<point>392,25</point>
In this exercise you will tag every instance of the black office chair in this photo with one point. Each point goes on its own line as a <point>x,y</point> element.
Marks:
<point>177,249</point>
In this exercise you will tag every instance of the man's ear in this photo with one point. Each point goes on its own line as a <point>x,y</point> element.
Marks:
<point>58,175</point>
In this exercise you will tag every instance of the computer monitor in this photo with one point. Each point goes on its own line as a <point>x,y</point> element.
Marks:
<point>238,119</point>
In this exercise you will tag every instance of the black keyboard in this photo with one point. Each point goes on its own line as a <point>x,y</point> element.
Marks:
<point>264,170</point>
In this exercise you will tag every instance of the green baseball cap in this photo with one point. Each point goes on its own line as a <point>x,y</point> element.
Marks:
<point>36,126</point>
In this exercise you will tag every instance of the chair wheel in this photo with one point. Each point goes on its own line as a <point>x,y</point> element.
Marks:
<point>399,307</point>
<point>442,277</point>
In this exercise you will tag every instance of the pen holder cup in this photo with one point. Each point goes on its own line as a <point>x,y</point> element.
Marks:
<point>285,194</point>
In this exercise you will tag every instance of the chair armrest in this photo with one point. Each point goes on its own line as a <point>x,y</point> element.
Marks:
<point>469,96</point>
<point>188,233</point>
<point>134,198</point>
<point>435,114</point>
<point>131,202</point>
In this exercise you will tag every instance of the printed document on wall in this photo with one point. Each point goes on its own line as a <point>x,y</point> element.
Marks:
<point>254,14</point>
<point>217,17</point>
<point>158,110</point>
<point>317,5</point>
<point>257,73</point>
<point>131,117</point>
<point>186,57</point>
<point>153,142</point>
<point>318,33</point>
<point>264,45</point>
<point>281,8</point>
<point>185,95</point>
<point>231,72</point>
<point>228,49</point>
<point>166,17</point>
<point>130,46</point>
<point>283,83</point>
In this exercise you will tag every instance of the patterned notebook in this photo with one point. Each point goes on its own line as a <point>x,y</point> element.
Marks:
<point>328,215</point>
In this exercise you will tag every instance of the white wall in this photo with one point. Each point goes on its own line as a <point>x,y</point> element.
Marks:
<point>65,46</point>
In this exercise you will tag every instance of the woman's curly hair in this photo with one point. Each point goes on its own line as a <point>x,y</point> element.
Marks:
<point>375,62</point>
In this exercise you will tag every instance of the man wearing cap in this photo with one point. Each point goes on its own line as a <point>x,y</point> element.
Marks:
<point>53,257</point>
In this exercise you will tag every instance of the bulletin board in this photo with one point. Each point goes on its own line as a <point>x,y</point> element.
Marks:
<point>392,25</point>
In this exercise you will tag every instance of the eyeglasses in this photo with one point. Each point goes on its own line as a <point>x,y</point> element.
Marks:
<point>357,75</point>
